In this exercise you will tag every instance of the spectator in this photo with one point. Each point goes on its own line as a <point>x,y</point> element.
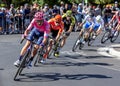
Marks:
<point>107,14</point>
<point>115,8</point>
<point>98,11</point>
<point>12,9</point>
<point>36,5</point>
<point>67,7</point>
<point>26,14</point>
<point>18,21</point>
<point>79,14</point>
<point>55,11</point>
<point>74,9</point>
<point>2,19</point>
<point>47,12</point>
<point>62,7</point>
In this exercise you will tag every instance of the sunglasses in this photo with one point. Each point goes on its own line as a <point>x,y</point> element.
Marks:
<point>39,21</point>
<point>57,21</point>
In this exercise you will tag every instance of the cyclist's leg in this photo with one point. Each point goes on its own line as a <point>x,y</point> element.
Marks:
<point>87,33</point>
<point>63,41</point>
<point>118,27</point>
<point>39,38</point>
<point>81,32</point>
<point>55,37</point>
<point>24,49</point>
<point>26,46</point>
<point>51,42</point>
<point>97,29</point>
<point>66,28</point>
<point>87,29</point>
<point>36,47</point>
<point>114,28</point>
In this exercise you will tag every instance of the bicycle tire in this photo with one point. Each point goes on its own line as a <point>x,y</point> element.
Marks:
<point>76,44</point>
<point>51,52</point>
<point>36,60</point>
<point>90,39</point>
<point>40,54</point>
<point>105,37</point>
<point>22,65</point>
<point>55,47</point>
<point>114,37</point>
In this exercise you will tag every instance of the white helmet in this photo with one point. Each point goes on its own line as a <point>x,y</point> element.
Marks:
<point>98,18</point>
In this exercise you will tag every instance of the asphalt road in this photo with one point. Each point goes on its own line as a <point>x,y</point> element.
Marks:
<point>85,67</point>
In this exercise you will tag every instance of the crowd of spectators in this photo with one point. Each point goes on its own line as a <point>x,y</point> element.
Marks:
<point>16,20</point>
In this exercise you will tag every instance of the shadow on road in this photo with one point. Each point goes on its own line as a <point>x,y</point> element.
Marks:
<point>86,57</point>
<point>66,64</point>
<point>1,69</point>
<point>46,77</point>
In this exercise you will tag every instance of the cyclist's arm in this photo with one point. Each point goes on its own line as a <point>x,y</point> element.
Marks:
<point>46,32</point>
<point>114,16</point>
<point>84,21</point>
<point>72,24</point>
<point>63,16</point>
<point>60,31</point>
<point>26,32</point>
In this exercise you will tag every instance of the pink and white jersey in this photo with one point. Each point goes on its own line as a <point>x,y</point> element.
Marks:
<point>45,27</point>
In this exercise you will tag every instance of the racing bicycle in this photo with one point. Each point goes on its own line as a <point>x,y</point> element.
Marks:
<point>26,58</point>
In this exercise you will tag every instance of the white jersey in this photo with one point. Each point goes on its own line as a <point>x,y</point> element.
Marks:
<point>88,19</point>
<point>100,22</point>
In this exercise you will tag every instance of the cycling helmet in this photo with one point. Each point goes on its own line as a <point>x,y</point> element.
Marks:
<point>98,18</point>
<point>91,14</point>
<point>39,15</point>
<point>58,18</point>
<point>69,13</point>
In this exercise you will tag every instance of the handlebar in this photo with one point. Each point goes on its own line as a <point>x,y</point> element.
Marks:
<point>22,40</point>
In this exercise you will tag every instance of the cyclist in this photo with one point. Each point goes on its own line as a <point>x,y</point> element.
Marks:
<point>39,29</point>
<point>69,22</point>
<point>98,25</point>
<point>87,26</point>
<point>56,29</point>
<point>116,22</point>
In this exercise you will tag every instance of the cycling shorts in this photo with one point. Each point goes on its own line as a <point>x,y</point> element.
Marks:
<point>36,36</point>
<point>87,25</point>
<point>54,33</point>
<point>96,26</point>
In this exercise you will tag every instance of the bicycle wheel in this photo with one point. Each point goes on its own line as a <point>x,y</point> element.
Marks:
<point>91,39</point>
<point>22,65</point>
<point>76,44</point>
<point>115,36</point>
<point>52,48</point>
<point>105,36</point>
<point>38,59</point>
<point>81,44</point>
<point>40,54</point>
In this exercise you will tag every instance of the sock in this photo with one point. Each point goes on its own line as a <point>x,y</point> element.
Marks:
<point>20,58</point>
<point>31,59</point>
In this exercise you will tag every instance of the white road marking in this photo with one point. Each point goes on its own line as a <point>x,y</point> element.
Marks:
<point>71,53</point>
<point>106,51</point>
<point>109,51</point>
